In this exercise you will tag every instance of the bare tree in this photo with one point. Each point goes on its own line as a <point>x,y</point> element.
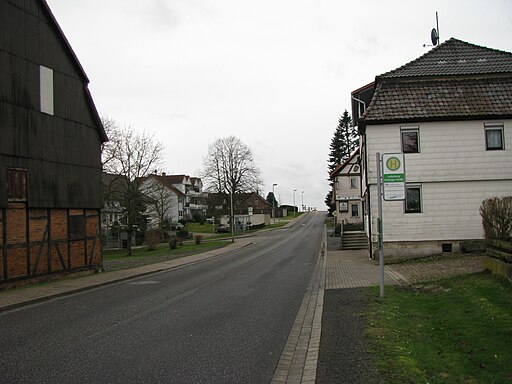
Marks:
<point>229,167</point>
<point>131,156</point>
<point>160,201</point>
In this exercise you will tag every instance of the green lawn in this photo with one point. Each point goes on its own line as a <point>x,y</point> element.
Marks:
<point>163,250</point>
<point>457,330</point>
<point>198,228</point>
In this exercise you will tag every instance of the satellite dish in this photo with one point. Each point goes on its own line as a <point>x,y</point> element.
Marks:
<point>434,36</point>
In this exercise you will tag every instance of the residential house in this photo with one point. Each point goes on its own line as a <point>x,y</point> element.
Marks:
<point>250,209</point>
<point>50,165</point>
<point>194,197</point>
<point>450,113</point>
<point>166,202</point>
<point>347,191</point>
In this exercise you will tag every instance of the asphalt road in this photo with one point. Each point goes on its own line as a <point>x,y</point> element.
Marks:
<point>225,320</point>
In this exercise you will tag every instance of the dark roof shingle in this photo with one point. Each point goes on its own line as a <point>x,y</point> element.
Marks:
<point>441,99</point>
<point>455,57</point>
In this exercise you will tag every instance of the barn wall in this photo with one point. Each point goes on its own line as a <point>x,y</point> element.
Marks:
<point>38,242</point>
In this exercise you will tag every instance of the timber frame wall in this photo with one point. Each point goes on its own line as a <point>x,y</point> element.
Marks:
<point>40,242</point>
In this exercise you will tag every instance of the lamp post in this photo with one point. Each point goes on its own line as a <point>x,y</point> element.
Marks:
<point>294,202</point>
<point>274,202</point>
<point>303,201</point>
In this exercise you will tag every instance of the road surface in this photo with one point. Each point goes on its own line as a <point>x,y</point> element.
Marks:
<point>225,320</point>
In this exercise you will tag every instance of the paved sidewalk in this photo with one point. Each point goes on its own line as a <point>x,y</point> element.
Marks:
<point>298,362</point>
<point>32,294</point>
<point>354,269</point>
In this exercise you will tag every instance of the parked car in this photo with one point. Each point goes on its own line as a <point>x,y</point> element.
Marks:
<point>177,226</point>
<point>210,220</point>
<point>223,228</point>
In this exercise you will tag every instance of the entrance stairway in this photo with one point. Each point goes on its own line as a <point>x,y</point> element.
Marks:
<point>354,240</point>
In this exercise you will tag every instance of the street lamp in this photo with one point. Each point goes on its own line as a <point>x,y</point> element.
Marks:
<point>294,202</point>
<point>274,202</point>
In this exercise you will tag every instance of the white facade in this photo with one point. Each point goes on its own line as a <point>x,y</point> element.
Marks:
<point>455,173</point>
<point>167,199</point>
<point>347,192</point>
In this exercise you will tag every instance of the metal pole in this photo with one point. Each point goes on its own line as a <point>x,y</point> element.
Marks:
<point>438,36</point>
<point>294,202</point>
<point>273,203</point>
<point>232,219</point>
<point>379,224</point>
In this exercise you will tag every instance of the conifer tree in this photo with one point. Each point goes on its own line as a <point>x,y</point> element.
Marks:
<point>343,143</point>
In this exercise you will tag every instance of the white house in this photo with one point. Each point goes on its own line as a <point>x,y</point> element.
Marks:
<point>192,190</point>
<point>347,190</point>
<point>450,113</point>
<point>165,201</point>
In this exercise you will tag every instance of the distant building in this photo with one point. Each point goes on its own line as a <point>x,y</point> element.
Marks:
<point>347,190</point>
<point>165,202</point>
<point>248,208</point>
<point>194,202</point>
<point>50,165</point>
<point>450,113</point>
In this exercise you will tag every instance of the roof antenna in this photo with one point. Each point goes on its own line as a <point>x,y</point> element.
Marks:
<point>434,34</point>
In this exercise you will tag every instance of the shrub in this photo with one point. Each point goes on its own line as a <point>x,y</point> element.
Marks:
<point>198,217</point>
<point>496,215</point>
<point>152,238</point>
<point>198,239</point>
<point>173,243</point>
<point>183,234</point>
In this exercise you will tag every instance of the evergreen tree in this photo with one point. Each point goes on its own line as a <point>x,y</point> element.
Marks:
<point>272,199</point>
<point>343,143</point>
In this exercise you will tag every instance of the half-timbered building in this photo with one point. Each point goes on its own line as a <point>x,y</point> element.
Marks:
<point>51,135</point>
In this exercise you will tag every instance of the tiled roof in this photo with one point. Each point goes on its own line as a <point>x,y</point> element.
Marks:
<point>165,181</point>
<point>441,99</point>
<point>455,57</point>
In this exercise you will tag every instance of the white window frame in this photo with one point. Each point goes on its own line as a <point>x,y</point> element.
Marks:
<point>415,129</point>
<point>494,127</point>
<point>352,210</point>
<point>415,186</point>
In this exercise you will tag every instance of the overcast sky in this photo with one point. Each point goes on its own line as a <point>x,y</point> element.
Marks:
<point>275,73</point>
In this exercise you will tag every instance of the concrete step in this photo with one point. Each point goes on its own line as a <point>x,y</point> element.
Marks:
<point>355,240</point>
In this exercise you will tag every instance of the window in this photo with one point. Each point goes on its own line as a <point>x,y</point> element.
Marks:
<point>16,184</point>
<point>413,198</point>
<point>46,89</point>
<point>494,137</point>
<point>410,140</point>
<point>354,209</point>
<point>353,183</point>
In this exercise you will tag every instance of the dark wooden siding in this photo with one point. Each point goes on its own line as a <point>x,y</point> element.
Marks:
<point>61,152</point>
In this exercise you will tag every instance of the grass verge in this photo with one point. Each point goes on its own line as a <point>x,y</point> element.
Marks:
<point>163,250</point>
<point>456,330</point>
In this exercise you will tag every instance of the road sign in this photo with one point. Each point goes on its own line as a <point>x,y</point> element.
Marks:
<point>393,175</point>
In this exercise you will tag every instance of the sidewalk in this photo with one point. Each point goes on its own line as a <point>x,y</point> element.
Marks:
<point>32,294</point>
<point>334,269</point>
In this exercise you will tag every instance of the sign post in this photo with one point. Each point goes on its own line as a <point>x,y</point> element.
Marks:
<point>393,166</point>
<point>391,179</point>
